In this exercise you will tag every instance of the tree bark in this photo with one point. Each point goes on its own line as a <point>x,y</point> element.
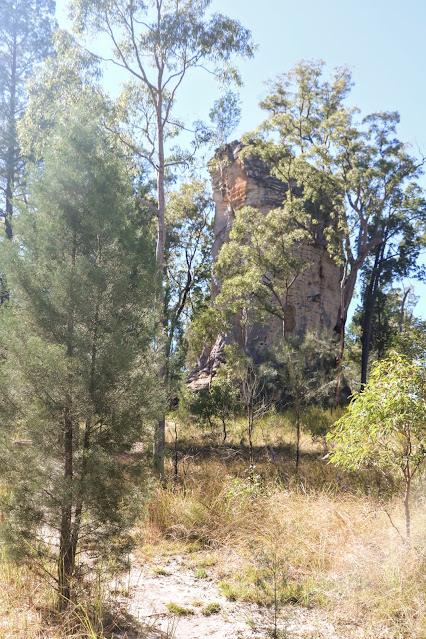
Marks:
<point>160,430</point>
<point>10,155</point>
<point>347,288</point>
<point>10,165</point>
<point>369,303</point>
<point>88,426</point>
<point>66,558</point>
<point>407,507</point>
<point>402,314</point>
<point>250,434</point>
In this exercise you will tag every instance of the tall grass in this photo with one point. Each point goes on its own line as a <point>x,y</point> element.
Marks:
<point>28,608</point>
<point>326,539</point>
<point>339,549</point>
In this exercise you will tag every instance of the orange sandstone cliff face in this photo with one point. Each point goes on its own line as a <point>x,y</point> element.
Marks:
<point>313,301</point>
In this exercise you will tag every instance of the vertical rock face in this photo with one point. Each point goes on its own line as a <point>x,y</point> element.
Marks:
<point>314,298</point>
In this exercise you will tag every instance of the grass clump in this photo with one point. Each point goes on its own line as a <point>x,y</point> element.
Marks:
<point>201,573</point>
<point>212,608</point>
<point>179,610</point>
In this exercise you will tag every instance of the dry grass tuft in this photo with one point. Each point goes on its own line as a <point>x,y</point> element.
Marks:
<point>27,609</point>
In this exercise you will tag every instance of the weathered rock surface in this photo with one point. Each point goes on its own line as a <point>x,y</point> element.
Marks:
<point>314,299</point>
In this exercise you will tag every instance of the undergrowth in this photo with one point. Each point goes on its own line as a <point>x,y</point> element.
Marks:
<point>28,608</point>
<point>338,549</point>
<point>325,540</point>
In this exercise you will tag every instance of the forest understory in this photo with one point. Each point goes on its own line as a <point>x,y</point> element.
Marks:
<point>228,550</point>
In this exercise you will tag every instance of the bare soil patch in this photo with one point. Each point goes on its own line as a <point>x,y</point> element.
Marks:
<point>149,590</point>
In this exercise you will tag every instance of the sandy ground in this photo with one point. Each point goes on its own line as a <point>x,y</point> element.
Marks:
<point>148,592</point>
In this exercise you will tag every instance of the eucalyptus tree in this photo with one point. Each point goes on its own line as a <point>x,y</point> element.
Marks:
<point>385,425</point>
<point>78,373</point>
<point>158,43</point>
<point>388,208</point>
<point>26,27</point>
<point>259,264</point>
<point>187,269</point>
<point>395,258</point>
<point>394,325</point>
<point>356,175</point>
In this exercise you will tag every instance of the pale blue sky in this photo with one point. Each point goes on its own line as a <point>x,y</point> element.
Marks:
<point>383,42</point>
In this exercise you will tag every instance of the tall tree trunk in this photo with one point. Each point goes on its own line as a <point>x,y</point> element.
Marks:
<point>88,426</point>
<point>10,165</point>
<point>407,476</point>
<point>402,314</point>
<point>407,512</point>
<point>369,303</point>
<point>347,288</point>
<point>340,364</point>
<point>11,149</point>
<point>250,420</point>
<point>340,329</point>
<point>160,430</point>
<point>66,558</point>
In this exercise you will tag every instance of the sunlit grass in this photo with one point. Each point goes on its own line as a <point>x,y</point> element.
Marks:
<point>339,549</point>
<point>325,540</point>
<point>28,608</point>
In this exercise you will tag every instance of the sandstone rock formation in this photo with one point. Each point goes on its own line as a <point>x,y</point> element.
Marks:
<point>314,299</point>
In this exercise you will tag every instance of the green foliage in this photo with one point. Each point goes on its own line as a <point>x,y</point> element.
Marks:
<point>350,183</point>
<point>185,35</point>
<point>318,420</point>
<point>158,44</point>
<point>260,263</point>
<point>303,372</point>
<point>201,573</point>
<point>305,368</point>
<point>385,424</point>
<point>305,115</point>
<point>78,383</point>
<point>251,387</point>
<point>411,341</point>
<point>221,400</point>
<point>187,266</point>
<point>394,326</point>
<point>69,76</point>
<point>240,489</point>
<point>205,327</point>
<point>350,188</point>
<point>25,40</point>
<point>225,116</point>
